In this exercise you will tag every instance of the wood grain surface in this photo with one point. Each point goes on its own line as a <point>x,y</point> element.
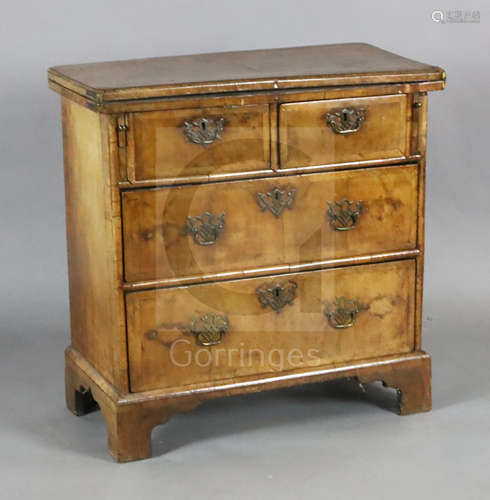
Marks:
<point>93,221</point>
<point>163,352</point>
<point>159,148</point>
<point>295,67</point>
<point>158,246</point>
<point>306,139</point>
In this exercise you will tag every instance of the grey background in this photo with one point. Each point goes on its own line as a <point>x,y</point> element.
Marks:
<point>317,442</point>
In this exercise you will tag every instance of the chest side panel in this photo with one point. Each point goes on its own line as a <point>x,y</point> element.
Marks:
<point>93,240</point>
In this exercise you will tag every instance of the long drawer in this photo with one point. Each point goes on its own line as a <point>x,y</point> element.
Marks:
<point>211,228</point>
<point>218,331</point>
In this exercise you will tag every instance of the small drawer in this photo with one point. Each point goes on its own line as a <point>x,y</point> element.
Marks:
<point>343,130</point>
<point>195,142</point>
<point>212,332</point>
<point>204,229</point>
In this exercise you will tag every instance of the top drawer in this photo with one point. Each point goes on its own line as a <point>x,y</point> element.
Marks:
<point>343,130</point>
<point>189,142</point>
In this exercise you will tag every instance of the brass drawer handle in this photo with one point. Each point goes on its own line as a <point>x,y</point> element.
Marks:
<point>344,214</point>
<point>277,295</point>
<point>209,328</point>
<point>342,313</point>
<point>276,200</point>
<point>346,120</point>
<point>204,131</point>
<point>205,228</point>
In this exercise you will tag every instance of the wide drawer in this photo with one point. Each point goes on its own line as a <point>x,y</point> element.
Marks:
<point>343,130</point>
<point>210,228</point>
<point>213,332</point>
<point>189,142</point>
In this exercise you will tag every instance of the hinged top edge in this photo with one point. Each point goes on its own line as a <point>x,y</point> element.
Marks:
<point>244,71</point>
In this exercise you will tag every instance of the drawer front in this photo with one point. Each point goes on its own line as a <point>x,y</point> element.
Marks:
<point>211,228</point>
<point>188,142</point>
<point>212,332</point>
<point>343,130</point>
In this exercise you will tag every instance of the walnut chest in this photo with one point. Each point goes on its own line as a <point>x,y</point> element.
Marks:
<point>240,222</point>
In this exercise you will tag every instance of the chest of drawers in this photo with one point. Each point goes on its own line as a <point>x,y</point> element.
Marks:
<point>239,222</point>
